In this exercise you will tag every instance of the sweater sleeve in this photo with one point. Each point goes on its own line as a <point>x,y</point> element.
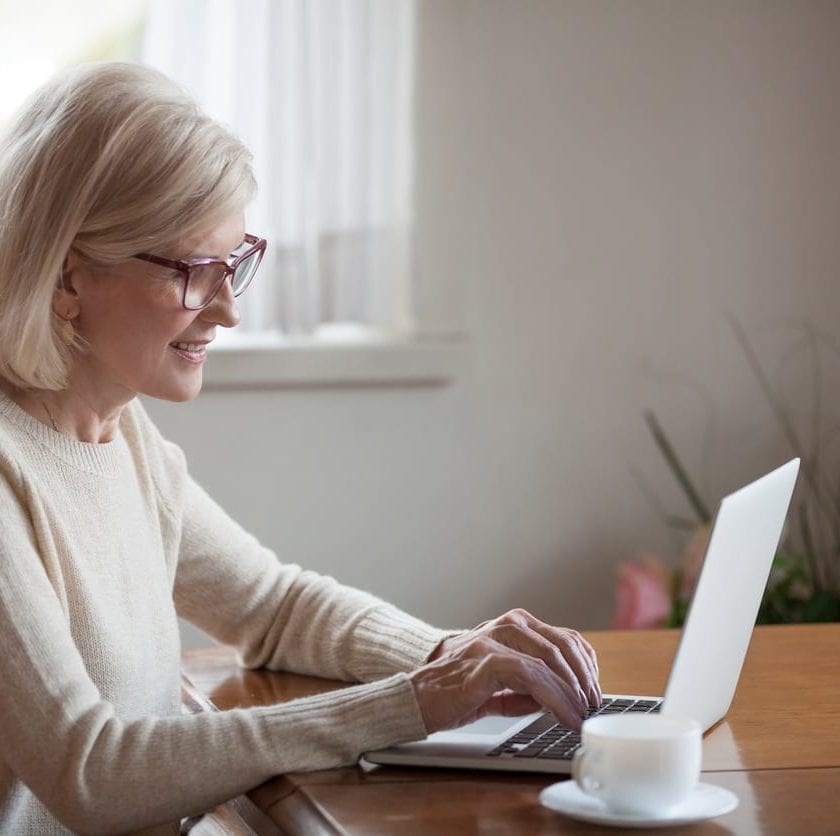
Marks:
<point>98,772</point>
<point>282,617</point>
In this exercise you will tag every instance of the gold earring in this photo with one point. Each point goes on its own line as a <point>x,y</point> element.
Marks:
<point>68,333</point>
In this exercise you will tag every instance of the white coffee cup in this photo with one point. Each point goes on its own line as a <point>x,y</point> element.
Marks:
<point>639,764</point>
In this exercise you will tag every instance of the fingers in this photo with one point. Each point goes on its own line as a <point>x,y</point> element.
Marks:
<point>509,704</point>
<point>533,644</point>
<point>564,650</point>
<point>510,665</point>
<point>506,703</point>
<point>483,677</point>
<point>582,659</point>
<point>527,675</point>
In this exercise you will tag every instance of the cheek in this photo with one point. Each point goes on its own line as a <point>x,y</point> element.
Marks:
<point>144,325</point>
<point>163,295</point>
<point>131,317</point>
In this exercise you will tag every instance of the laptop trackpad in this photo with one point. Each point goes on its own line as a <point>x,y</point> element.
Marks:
<point>474,738</point>
<point>492,725</point>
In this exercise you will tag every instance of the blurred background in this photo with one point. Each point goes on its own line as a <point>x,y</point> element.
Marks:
<point>579,204</point>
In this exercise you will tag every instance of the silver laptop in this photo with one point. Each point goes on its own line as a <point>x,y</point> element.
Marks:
<point>706,667</point>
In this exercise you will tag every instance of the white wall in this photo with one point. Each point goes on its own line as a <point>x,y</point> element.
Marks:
<point>600,183</point>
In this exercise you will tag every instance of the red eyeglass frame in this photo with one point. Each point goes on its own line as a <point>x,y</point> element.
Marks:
<point>257,245</point>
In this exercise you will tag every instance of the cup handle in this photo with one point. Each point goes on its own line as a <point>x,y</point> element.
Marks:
<point>583,763</point>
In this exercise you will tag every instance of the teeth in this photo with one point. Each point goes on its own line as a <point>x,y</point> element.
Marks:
<point>188,346</point>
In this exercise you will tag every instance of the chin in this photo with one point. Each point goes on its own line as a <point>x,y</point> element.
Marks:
<point>177,393</point>
<point>185,397</point>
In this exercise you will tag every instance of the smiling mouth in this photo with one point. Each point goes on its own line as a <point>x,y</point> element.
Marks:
<point>192,348</point>
<point>195,353</point>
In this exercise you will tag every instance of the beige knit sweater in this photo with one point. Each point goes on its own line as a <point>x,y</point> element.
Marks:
<point>101,547</point>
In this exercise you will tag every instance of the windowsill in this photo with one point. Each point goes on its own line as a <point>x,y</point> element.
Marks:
<point>265,361</point>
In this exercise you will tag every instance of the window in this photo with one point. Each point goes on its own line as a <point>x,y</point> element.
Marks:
<point>39,37</point>
<point>321,91</point>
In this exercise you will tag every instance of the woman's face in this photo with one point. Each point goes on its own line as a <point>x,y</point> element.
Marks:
<point>139,339</point>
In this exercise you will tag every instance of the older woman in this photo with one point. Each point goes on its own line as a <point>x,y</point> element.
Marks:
<point>122,249</point>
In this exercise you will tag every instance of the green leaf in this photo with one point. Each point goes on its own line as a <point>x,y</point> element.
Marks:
<point>822,607</point>
<point>676,468</point>
<point>678,613</point>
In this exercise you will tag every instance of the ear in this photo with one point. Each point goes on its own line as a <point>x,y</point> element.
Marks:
<point>65,302</point>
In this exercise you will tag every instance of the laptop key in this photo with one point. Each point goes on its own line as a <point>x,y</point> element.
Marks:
<point>559,753</point>
<point>546,738</point>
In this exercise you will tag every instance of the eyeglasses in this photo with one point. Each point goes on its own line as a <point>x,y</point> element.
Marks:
<point>204,277</point>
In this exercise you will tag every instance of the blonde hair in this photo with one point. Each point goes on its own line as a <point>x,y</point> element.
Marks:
<point>110,160</point>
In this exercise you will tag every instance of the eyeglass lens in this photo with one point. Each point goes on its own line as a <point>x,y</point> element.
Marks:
<point>206,279</point>
<point>245,272</point>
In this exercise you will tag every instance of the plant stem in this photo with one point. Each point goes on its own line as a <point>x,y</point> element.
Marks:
<point>676,467</point>
<point>809,472</point>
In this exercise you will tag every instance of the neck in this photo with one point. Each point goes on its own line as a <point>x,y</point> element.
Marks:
<point>69,412</point>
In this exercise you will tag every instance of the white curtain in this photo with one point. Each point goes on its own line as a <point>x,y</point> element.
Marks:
<point>321,92</point>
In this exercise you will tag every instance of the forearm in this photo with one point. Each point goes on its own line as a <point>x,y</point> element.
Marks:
<point>310,624</point>
<point>105,775</point>
<point>281,617</point>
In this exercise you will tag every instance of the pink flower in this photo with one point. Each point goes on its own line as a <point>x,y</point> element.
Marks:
<point>643,594</point>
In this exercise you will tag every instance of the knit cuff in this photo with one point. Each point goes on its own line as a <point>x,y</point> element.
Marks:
<point>336,728</point>
<point>388,640</point>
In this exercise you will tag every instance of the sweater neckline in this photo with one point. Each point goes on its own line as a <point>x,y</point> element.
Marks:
<point>102,459</point>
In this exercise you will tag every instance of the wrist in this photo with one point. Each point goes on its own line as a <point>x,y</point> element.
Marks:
<point>444,646</point>
<point>437,651</point>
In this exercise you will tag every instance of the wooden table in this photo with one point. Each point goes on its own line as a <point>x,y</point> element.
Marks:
<point>778,749</point>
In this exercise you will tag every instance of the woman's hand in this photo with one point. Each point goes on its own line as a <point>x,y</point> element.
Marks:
<point>510,665</point>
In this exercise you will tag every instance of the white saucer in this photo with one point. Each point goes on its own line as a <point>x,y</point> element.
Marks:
<point>706,802</point>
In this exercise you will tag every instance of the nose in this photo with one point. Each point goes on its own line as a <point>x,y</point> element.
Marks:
<point>223,309</point>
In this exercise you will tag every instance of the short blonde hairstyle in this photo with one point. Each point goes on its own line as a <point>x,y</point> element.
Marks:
<point>109,159</point>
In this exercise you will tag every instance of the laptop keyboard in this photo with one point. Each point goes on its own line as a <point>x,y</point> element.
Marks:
<point>546,738</point>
